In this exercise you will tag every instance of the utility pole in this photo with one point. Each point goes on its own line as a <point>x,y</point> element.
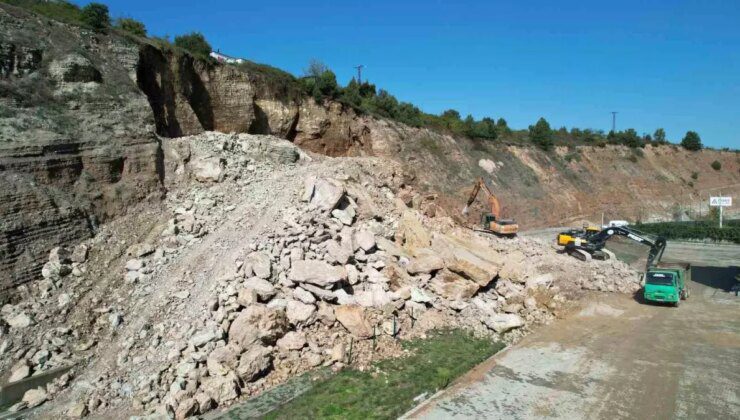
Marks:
<point>359,73</point>
<point>614,121</point>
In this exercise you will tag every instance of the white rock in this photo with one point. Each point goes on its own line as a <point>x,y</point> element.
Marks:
<point>326,194</point>
<point>134,264</point>
<point>316,272</point>
<point>364,239</point>
<point>208,169</point>
<point>182,294</point>
<point>20,320</point>
<point>264,289</point>
<point>502,323</point>
<point>292,341</point>
<point>303,295</point>
<point>345,217</point>
<point>35,397</point>
<point>202,338</point>
<point>337,253</point>
<point>64,300</point>
<point>261,264</point>
<point>299,312</point>
<point>19,371</point>
<point>418,295</point>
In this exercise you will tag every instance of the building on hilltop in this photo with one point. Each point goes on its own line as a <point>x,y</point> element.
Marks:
<point>223,58</point>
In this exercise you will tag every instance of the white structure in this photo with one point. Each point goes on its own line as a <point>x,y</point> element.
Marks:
<point>720,202</point>
<point>223,58</point>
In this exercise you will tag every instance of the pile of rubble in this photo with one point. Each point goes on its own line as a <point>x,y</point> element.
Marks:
<point>269,264</point>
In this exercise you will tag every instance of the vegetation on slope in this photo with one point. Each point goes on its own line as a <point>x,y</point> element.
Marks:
<point>388,390</point>
<point>699,230</point>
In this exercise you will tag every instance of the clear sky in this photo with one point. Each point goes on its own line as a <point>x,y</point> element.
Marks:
<point>659,63</point>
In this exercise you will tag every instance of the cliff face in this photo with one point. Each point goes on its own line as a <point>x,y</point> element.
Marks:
<point>76,143</point>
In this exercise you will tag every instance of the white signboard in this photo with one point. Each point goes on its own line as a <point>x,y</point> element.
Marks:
<point>720,201</point>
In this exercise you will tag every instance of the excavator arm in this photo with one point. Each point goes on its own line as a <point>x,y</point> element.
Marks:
<point>492,200</point>
<point>597,241</point>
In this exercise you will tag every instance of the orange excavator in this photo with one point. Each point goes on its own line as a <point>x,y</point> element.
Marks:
<point>491,222</point>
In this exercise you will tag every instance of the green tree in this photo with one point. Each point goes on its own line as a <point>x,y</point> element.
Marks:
<point>691,141</point>
<point>327,85</point>
<point>95,16</point>
<point>541,134</point>
<point>659,136</point>
<point>451,120</point>
<point>195,43</point>
<point>630,138</point>
<point>351,94</point>
<point>131,26</point>
<point>486,128</point>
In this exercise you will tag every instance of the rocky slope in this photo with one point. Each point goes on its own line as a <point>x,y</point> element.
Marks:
<point>82,116</point>
<point>227,288</point>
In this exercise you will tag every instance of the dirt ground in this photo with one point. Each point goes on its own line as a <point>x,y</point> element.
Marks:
<point>617,358</point>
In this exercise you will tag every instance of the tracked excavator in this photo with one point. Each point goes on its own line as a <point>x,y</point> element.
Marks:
<point>589,243</point>
<point>491,222</point>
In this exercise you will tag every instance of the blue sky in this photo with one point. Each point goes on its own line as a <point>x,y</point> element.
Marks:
<point>671,63</point>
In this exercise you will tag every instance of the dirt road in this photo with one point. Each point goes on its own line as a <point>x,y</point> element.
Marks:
<point>616,358</point>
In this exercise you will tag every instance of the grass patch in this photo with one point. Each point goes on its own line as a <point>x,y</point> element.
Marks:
<point>62,11</point>
<point>389,389</point>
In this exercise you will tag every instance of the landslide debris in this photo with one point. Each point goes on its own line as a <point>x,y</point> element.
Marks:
<point>262,263</point>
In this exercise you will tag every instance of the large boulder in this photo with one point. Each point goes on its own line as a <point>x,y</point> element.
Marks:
<point>222,389</point>
<point>453,286</point>
<point>264,289</point>
<point>260,263</point>
<point>254,363</point>
<point>502,323</point>
<point>336,253</point>
<point>363,239</point>
<point>323,193</point>
<point>299,312</point>
<point>411,232</point>
<point>316,272</point>
<point>425,263</point>
<point>292,341</point>
<point>208,169</point>
<point>258,323</point>
<point>469,257</point>
<point>353,318</point>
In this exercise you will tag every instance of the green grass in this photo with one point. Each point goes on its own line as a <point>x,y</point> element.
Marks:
<point>390,390</point>
<point>58,10</point>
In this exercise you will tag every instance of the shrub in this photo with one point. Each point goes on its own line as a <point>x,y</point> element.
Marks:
<point>194,43</point>
<point>95,16</point>
<point>691,141</point>
<point>132,26</point>
<point>695,175</point>
<point>716,165</point>
<point>541,134</point>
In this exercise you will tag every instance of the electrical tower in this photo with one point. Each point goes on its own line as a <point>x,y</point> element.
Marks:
<point>614,121</point>
<point>359,73</point>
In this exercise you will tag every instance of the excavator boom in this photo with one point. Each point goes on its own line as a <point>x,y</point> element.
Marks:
<point>491,221</point>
